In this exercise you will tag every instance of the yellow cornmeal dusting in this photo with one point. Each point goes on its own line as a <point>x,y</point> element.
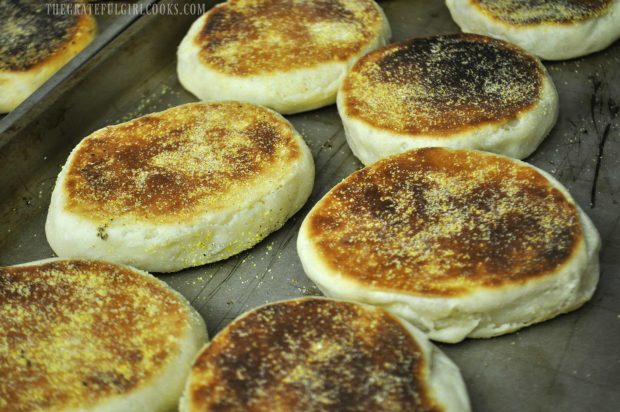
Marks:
<point>544,11</point>
<point>247,37</point>
<point>179,163</point>
<point>75,332</point>
<point>312,355</point>
<point>442,85</point>
<point>443,222</point>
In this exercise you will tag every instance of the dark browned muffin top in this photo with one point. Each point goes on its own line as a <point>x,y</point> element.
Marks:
<point>30,35</point>
<point>312,355</point>
<point>248,37</point>
<point>445,222</point>
<point>177,164</point>
<point>524,12</point>
<point>75,332</point>
<point>442,85</point>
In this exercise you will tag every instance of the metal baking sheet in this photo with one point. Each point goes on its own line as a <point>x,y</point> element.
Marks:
<point>571,363</point>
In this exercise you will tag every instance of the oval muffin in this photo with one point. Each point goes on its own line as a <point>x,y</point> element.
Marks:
<point>460,243</point>
<point>82,335</point>
<point>314,354</point>
<point>551,29</point>
<point>191,185</point>
<point>460,91</point>
<point>35,45</point>
<point>284,54</point>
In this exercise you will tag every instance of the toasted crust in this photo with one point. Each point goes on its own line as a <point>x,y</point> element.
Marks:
<point>440,222</point>
<point>191,185</point>
<point>249,37</point>
<point>441,86</point>
<point>79,332</point>
<point>311,354</point>
<point>174,165</point>
<point>32,38</point>
<point>533,12</point>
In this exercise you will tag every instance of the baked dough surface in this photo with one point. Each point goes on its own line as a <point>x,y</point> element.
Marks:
<point>316,354</point>
<point>93,336</point>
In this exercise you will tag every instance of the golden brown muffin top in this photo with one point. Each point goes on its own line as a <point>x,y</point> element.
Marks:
<point>312,355</point>
<point>528,12</point>
<point>443,222</point>
<point>442,85</point>
<point>75,332</point>
<point>30,35</point>
<point>180,163</point>
<point>250,37</point>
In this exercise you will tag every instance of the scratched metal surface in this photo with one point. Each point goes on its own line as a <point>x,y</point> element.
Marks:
<point>571,363</point>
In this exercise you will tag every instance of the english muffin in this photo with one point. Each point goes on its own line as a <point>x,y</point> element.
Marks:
<point>35,45</point>
<point>92,336</point>
<point>461,243</point>
<point>460,91</point>
<point>191,185</point>
<point>316,354</point>
<point>289,55</point>
<point>551,29</point>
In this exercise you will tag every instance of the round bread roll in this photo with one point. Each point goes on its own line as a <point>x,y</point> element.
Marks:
<point>461,91</point>
<point>315,354</point>
<point>551,29</point>
<point>188,186</point>
<point>35,45</point>
<point>81,335</point>
<point>288,55</point>
<point>461,243</point>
